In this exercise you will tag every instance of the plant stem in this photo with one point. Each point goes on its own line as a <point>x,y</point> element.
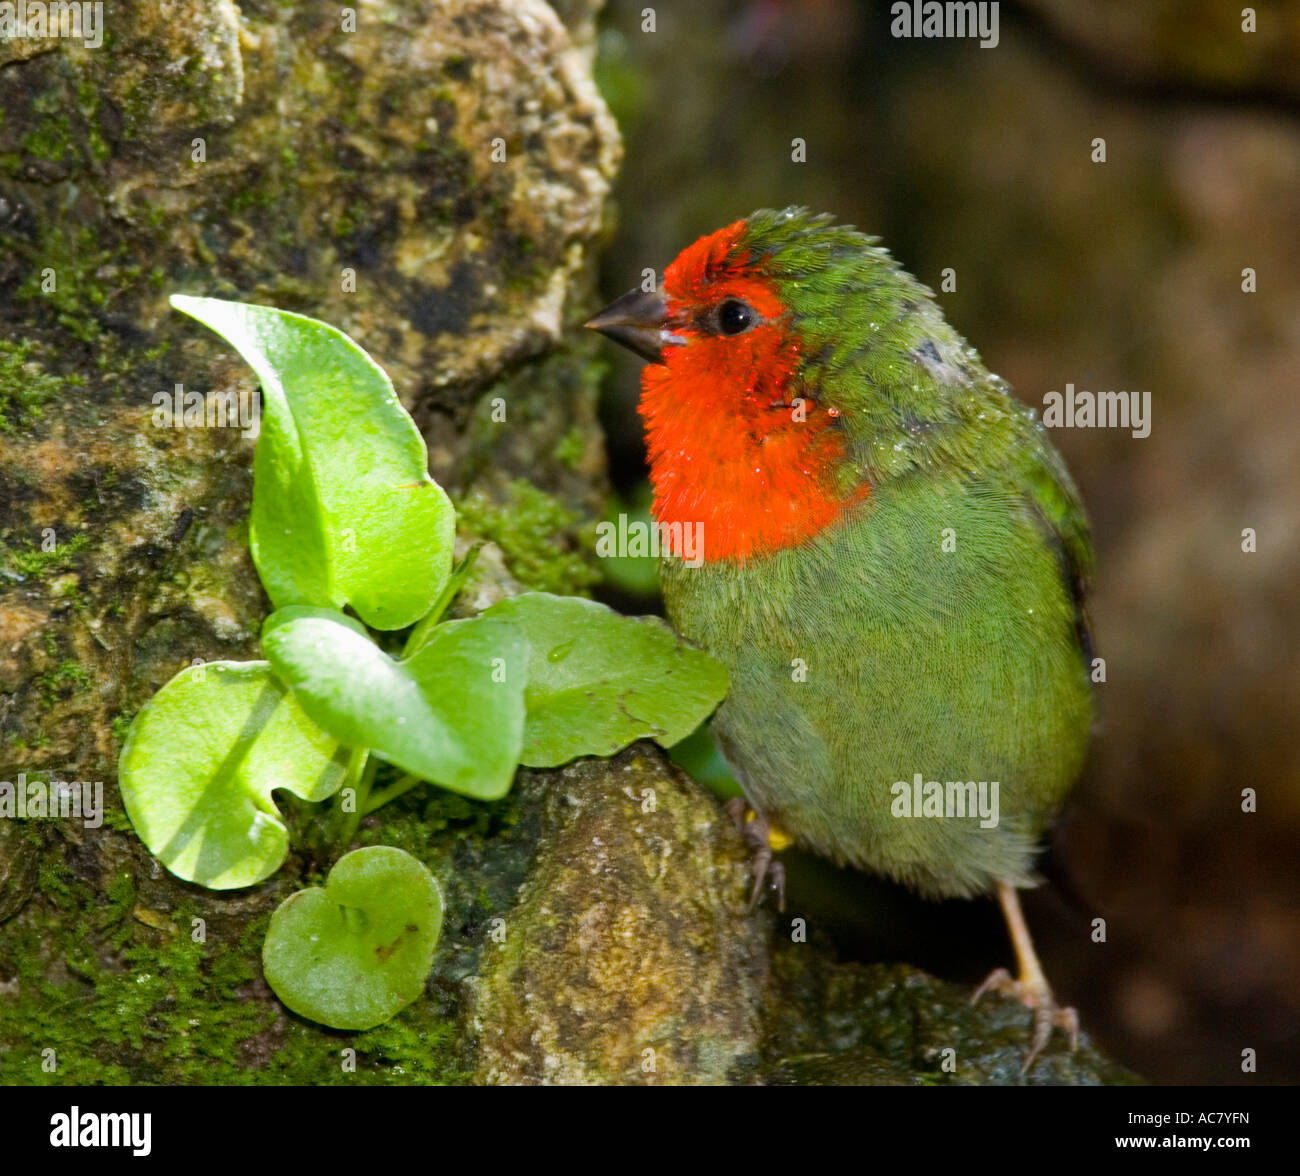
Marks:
<point>425,626</point>
<point>361,775</point>
<point>397,788</point>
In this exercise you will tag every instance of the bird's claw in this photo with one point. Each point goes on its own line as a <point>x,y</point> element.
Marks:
<point>1047,1013</point>
<point>755,831</point>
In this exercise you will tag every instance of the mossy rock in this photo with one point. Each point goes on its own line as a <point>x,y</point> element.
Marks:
<point>265,153</point>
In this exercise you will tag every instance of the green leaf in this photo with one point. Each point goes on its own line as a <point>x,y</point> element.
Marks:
<point>199,765</point>
<point>598,680</point>
<point>355,952</point>
<point>452,713</point>
<point>344,511</point>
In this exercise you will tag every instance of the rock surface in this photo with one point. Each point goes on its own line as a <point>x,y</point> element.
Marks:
<point>628,957</point>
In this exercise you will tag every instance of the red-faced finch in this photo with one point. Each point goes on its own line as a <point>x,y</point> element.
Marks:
<point>893,563</point>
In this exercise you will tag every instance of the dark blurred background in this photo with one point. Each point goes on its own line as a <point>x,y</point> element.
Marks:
<point>1118,275</point>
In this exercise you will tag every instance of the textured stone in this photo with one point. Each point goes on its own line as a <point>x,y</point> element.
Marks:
<point>628,957</point>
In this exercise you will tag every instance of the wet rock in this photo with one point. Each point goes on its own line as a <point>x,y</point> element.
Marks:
<point>20,848</point>
<point>628,957</point>
<point>893,1025</point>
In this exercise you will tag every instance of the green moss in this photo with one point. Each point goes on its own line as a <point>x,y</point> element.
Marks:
<point>140,1001</point>
<point>25,386</point>
<point>120,893</point>
<point>35,743</point>
<point>151,1021</point>
<point>353,217</point>
<point>415,821</point>
<point>116,818</point>
<point>76,257</point>
<point>52,880</point>
<point>67,676</point>
<point>570,448</point>
<point>50,139</point>
<point>68,589</point>
<point>123,994</point>
<point>99,147</point>
<point>255,195</point>
<point>26,561</point>
<point>536,534</point>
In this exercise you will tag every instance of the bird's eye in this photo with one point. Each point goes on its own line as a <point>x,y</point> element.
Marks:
<point>735,317</point>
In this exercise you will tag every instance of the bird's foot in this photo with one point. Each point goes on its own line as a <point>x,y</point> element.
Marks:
<point>759,835</point>
<point>1034,993</point>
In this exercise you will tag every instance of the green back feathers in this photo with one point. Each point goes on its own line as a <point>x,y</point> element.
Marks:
<point>914,396</point>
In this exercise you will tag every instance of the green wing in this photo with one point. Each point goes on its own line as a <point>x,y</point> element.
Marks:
<point>1055,501</point>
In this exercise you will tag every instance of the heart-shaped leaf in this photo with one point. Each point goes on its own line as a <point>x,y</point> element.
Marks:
<point>355,952</point>
<point>199,765</point>
<point>344,511</point>
<point>451,713</point>
<point>598,680</point>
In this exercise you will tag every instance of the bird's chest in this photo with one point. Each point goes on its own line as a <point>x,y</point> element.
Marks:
<point>770,621</point>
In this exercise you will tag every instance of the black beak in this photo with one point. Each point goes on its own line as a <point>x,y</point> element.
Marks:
<point>637,320</point>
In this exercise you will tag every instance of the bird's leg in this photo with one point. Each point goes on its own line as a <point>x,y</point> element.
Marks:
<point>759,836</point>
<point>1031,987</point>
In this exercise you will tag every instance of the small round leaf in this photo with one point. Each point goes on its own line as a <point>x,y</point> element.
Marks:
<point>355,952</point>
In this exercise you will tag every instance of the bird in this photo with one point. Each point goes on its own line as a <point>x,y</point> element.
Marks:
<point>892,563</point>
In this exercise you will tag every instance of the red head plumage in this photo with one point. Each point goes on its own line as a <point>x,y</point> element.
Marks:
<point>733,442</point>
